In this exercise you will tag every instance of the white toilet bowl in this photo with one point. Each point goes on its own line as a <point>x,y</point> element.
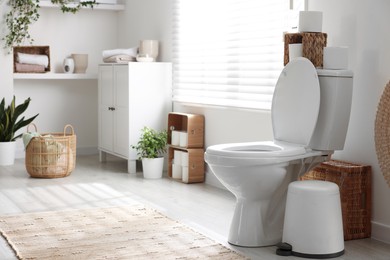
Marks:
<point>305,134</point>
<point>258,174</point>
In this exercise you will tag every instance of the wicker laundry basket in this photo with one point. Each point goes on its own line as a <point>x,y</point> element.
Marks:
<point>51,155</point>
<point>354,181</point>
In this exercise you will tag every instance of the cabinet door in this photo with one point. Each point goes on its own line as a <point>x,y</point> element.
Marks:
<point>150,97</point>
<point>121,120</point>
<point>106,103</point>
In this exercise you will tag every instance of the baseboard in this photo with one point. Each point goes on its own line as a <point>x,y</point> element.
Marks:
<point>87,150</point>
<point>380,232</point>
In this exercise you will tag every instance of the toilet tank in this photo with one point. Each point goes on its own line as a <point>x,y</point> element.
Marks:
<point>335,107</point>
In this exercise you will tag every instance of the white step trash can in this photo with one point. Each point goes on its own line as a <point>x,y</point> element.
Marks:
<point>313,225</point>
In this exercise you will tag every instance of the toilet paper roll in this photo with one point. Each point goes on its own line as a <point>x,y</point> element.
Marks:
<point>183,139</point>
<point>184,172</point>
<point>176,171</point>
<point>310,21</point>
<point>175,137</point>
<point>294,50</point>
<point>177,157</point>
<point>336,58</point>
<point>184,159</point>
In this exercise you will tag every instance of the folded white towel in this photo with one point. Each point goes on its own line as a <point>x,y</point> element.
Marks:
<point>131,52</point>
<point>119,59</point>
<point>35,59</point>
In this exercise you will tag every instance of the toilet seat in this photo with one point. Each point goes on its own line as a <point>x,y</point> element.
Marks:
<point>259,153</point>
<point>265,149</point>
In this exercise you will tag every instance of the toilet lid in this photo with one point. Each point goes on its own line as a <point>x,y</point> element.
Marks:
<point>296,102</point>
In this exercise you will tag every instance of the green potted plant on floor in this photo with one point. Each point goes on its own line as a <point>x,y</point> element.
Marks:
<point>9,125</point>
<point>150,148</point>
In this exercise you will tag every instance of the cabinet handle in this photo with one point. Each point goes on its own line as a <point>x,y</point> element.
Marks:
<point>111,108</point>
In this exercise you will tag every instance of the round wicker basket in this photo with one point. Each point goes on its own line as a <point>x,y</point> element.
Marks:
<point>382,133</point>
<point>51,155</point>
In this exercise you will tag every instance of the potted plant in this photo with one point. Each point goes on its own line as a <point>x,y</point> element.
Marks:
<point>9,125</point>
<point>23,13</point>
<point>150,148</point>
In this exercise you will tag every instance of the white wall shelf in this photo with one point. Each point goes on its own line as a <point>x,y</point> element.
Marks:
<point>110,7</point>
<point>53,76</point>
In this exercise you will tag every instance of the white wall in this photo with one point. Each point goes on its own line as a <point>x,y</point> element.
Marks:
<point>146,20</point>
<point>60,102</point>
<point>363,26</point>
<point>6,81</point>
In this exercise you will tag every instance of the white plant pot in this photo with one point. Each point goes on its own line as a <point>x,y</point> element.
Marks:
<point>7,153</point>
<point>153,168</point>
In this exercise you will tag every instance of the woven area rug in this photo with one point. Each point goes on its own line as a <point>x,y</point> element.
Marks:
<point>132,232</point>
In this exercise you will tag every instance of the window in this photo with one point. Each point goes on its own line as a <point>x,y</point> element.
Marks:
<point>228,52</point>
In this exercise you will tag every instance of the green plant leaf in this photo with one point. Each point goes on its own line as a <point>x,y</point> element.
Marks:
<point>151,144</point>
<point>9,123</point>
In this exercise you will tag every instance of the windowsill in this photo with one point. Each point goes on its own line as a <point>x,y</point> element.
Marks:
<point>220,107</point>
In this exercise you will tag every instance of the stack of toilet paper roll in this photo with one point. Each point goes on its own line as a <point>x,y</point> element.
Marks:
<point>309,21</point>
<point>333,57</point>
<point>179,138</point>
<point>180,165</point>
<point>336,58</point>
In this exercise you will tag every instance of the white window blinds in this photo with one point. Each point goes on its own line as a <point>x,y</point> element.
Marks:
<point>228,52</point>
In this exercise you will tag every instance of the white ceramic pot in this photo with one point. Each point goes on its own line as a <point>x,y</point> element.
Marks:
<point>68,65</point>
<point>80,62</point>
<point>149,48</point>
<point>7,153</point>
<point>153,168</point>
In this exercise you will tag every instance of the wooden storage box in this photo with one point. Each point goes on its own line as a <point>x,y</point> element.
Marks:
<point>41,50</point>
<point>354,182</point>
<point>195,163</point>
<point>190,123</point>
<point>312,46</point>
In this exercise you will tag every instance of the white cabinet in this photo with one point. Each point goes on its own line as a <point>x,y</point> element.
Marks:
<point>131,96</point>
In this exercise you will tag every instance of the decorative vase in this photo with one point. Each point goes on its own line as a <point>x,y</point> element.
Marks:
<point>149,48</point>
<point>80,62</point>
<point>7,153</point>
<point>68,65</point>
<point>153,167</point>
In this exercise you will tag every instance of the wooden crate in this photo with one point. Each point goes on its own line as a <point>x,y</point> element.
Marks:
<point>41,50</point>
<point>312,46</point>
<point>196,167</point>
<point>354,182</point>
<point>191,123</point>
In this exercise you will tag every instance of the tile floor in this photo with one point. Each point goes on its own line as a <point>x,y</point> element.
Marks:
<point>203,207</point>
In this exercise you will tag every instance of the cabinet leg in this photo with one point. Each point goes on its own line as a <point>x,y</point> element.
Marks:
<point>131,166</point>
<point>102,156</point>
